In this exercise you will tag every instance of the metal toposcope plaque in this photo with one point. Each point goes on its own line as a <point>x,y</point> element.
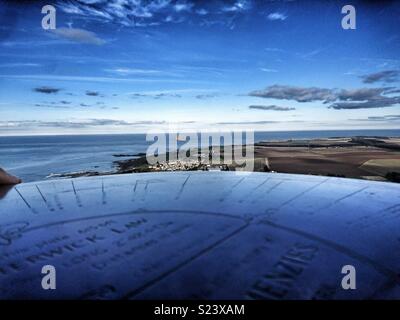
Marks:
<point>200,235</point>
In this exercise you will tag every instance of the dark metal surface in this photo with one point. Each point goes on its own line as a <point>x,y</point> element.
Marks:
<point>200,235</point>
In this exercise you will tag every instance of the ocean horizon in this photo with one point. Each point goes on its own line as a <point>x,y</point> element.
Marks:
<point>33,158</point>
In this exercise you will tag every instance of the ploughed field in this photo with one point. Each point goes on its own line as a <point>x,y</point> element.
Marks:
<point>366,158</point>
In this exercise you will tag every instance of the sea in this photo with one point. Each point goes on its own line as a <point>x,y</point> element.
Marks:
<point>34,158</point>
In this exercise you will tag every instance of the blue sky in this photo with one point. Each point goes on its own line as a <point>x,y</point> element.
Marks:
<point>133,65</point>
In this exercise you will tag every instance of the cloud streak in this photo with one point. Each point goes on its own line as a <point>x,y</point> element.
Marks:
<point>298,94</point>
<point>205,96</point>
<point>86,123</point>
<point>387,76</point>
<point>339,99</point>
<point>386,118</point>
<point>276,16</point>
<point>46,90</point>
<point>155,95</point>
<point>375,103</point>
<point>271,107</point>
<point>79,35</point>
<point>92,93</point>
<point>130,71</point>
<point>247,122</point>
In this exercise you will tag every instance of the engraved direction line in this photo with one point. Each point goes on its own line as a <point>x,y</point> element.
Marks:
<point>380,216</point>
<point>78,199</point>
<point>41,194</point>
<point>301,194</point>
<point>144,193</point>
<point>251,192</point>
<point>270,189</point>
<point>26,202</point>
<point>350,195</point>
<point>56,198</point>
<point>48,205</point>
<point>184,263</point>
<point>134,190</point>
<point>103,193</point>
<point>182,188</point>
<point>231,190</point>
<point>341,199</point>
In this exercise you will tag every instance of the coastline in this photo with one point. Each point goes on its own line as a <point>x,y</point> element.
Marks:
<point>370,158</point>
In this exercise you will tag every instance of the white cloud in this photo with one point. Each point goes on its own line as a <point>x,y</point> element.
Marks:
<point>277,16</point>
<point>183,6</point>
<point>129,71</point>
<point>15,65</point>
<point>79,35</point>
<point>144,13</point>
<point>240,5</point>
<point>93,79</point>
<point>202,12</point>
<point>268,70</point>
